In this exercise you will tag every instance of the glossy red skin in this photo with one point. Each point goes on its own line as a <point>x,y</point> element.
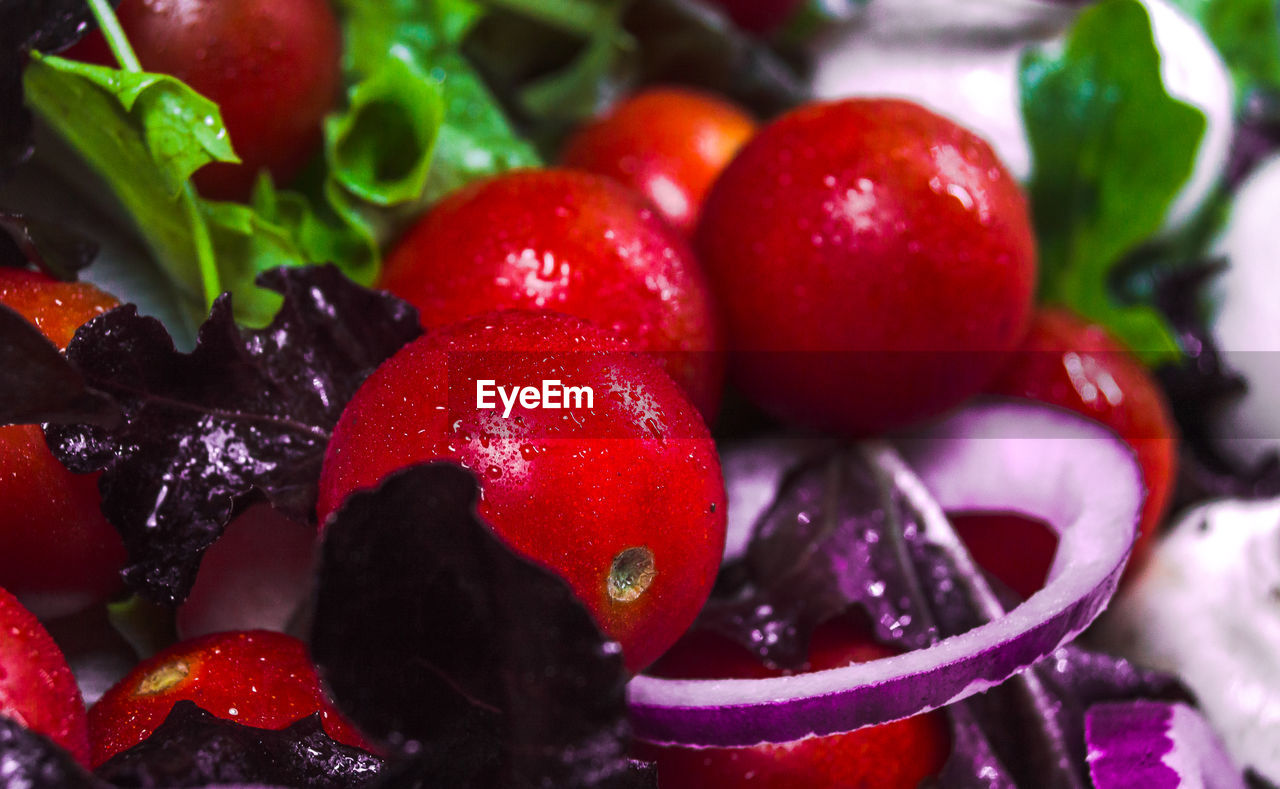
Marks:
<point>860,292</point>
<point>37,688</point>
<point>758,16</point>
<point>272,66</point>
<point>897,755</point>
<point>266,677</point>
<point>571,242</point>
<point>1015,549</point>
<point>668,144</point>
<point>569,489</point>
<point>1068,362</point>
<point>58,553</point>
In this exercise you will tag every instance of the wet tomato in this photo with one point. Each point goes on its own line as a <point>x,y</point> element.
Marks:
<point>572,242</point>
<point>272,66</point>
<point>57,551</point>
<point>622,496</point>
<point>668,144</point>
<point>874,261</point>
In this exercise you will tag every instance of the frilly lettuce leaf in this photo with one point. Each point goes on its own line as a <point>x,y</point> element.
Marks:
<point>1110,151</point>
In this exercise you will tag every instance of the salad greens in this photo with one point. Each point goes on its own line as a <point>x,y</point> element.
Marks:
<point>194,748</point>
<point>1247,34</point>
<point>518,686</point>
<point>1111,149</point>
<point>251,410</point>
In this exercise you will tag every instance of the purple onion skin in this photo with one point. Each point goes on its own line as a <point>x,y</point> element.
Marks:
<point>1155,745</point>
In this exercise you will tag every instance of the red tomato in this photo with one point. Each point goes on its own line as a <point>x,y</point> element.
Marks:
<point>757,16</point>
<point>1068,362</point>
<point>36,685</point>
<point>624,500</point>
<point>574,243</point>
<point>668,144</point>
<point>258,678</point>
<point>272,66</point>
<point>57,551</point>
<point>875,263</point>
<point>1015,549</point>
<point>896,755</point>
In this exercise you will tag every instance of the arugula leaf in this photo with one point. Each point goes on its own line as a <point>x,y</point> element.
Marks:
<point>1110,149</point>
<point>1247,35</point>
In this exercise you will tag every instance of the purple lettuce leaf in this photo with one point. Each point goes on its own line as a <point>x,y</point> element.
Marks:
<point>55,250</point>
<point>192,748</point>
<point>32,761</point>
<point>840,536</point>
<point>834,537</point>
<point>475,666</point>
<point>248,413</point>
<point>1257,135</point>
<point>45,25</point>
<point>38,384</point>
<point>1197,386</point>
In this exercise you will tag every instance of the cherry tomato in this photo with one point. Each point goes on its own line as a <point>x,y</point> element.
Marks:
<point>875,263</point>
<point>1068,362</point>
<point>757,16</point>
<point>58,553</point>
<point>574,243</point>
<point>1015,549</point>
<point>896,755</point>
<point>623,499</point>
<point>272,66</point>
<point>37,688</point>
<point>668,144</point>
<point>258,678</point>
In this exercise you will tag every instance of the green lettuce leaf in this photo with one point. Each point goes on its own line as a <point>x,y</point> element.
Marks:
<point>1110,150</point>
<point>145,134</point>
<point>1246,33</point>
<point>406,55</point>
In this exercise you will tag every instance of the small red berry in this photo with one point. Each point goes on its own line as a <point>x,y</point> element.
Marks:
<point>272,66</point>
<point>896,755</point>
<point>574,243</point>
<point>37,688</point>
<point>1068,362</point>
<point>258,678</point>
<point>58,553</point>
<point>874,261</point>
<point>624,500</point>
<point>668,144</point>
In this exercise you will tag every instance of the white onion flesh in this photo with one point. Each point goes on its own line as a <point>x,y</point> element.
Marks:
<point>1019,457</point>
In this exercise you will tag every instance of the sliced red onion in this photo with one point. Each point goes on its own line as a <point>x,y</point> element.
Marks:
<point>1155,744</point>
<point>1014,456</point>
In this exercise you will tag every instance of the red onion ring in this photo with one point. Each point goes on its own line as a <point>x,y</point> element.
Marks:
<point>1155,744</point>
<point>1020,457</point>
